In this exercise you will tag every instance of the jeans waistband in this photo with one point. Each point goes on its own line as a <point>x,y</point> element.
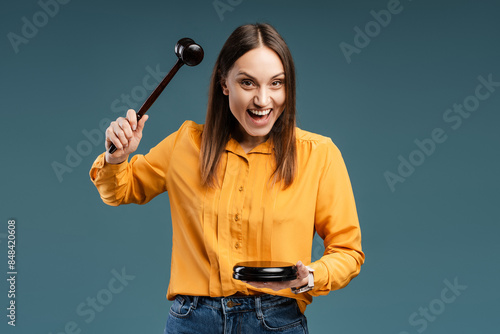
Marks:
<point>239,304</point>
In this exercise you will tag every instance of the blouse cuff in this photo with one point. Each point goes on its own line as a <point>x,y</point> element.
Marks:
<point>320,277</point>
<point>101,169</point>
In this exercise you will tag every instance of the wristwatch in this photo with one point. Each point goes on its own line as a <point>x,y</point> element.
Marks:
<point>309,286</point>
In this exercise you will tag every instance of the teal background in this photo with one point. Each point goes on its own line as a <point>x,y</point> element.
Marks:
<point>440,224</point>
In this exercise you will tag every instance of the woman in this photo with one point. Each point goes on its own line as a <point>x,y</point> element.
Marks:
<point>247,185</point>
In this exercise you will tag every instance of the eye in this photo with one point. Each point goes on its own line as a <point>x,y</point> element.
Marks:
<point>277,83</point>
<point>246,83</point>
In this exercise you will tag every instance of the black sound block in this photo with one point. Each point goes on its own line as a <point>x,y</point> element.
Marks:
<point>265,271</point>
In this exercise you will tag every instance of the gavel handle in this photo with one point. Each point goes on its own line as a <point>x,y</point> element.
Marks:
<point>154,95</point>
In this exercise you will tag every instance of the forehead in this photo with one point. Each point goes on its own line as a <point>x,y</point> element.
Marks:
<point>260,62</point>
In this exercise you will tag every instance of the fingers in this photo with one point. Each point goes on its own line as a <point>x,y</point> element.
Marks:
<point>125,134</point>
<point>132,119</point>
<point>111,137</point>
<point>269,285</point>
<point>143,120</point>
<point>275,286</point>
<point>302,271</point>
<point>119,132</point>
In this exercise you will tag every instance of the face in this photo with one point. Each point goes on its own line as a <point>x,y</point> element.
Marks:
<point>255,86</point>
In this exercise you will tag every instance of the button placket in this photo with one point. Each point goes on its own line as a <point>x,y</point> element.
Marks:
<point>239,201</point>
<point>227,227</point>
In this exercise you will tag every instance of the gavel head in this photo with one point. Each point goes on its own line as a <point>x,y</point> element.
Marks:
<point>189,52</point>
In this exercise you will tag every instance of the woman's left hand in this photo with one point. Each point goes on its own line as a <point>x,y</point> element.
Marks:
<point>302,279</point>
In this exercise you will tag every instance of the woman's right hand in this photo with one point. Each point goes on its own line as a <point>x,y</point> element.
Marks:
<point>126,134</point>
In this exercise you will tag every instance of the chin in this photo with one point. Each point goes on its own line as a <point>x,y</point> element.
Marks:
<point>260,132</point>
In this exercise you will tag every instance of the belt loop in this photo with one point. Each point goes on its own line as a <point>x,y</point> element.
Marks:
<point>194,304</point>
<point>258,308</point>
<point>223,305</point>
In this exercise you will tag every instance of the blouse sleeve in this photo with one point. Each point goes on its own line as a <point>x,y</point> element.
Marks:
<point>137,181</point>
<point>336,222</point>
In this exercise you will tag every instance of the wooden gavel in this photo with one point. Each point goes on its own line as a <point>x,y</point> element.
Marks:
<point>189,53</point>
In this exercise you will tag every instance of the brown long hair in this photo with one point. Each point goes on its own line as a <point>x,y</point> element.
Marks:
<point>220,122</point>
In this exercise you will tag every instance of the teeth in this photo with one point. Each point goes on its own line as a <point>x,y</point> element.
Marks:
<point>260,112</point>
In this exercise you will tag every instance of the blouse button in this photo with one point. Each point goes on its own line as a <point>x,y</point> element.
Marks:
<point>237,217</point>
<point>240,188</point>
<point>237,245</point>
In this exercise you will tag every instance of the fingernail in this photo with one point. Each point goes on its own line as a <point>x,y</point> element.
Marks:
<point>134,127</point>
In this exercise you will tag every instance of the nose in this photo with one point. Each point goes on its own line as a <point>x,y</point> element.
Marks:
<point>262,98</point>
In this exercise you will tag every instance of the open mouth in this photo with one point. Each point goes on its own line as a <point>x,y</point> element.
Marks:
<point>259,115</point>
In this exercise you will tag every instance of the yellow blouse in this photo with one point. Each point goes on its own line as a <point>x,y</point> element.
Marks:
<point>244,219</point>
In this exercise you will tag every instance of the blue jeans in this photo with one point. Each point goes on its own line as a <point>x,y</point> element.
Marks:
<point>232,315</point>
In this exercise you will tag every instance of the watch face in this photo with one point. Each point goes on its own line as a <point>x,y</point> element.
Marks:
<point>262,271</point>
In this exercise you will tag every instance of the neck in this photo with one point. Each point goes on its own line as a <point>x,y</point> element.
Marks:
<point>246,141</point>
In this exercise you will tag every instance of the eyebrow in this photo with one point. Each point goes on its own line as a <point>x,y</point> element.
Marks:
<point>251,77</point>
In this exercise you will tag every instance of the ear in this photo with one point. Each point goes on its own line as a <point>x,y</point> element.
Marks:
<point>223,84</point>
